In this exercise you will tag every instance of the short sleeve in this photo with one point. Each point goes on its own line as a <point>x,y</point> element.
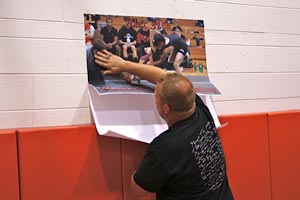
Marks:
<point>151,174</point>
<point>199,103</point>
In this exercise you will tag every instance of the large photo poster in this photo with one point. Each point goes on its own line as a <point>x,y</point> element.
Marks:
<point>123,104</point>
<point>172,44</point>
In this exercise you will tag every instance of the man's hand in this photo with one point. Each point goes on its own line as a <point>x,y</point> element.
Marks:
<point>115,65</point>
<point>112,63</point>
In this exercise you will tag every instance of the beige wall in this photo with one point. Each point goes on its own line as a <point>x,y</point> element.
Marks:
<point>253,51</point>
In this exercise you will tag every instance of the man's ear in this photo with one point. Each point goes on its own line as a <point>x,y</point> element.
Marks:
<point>166,108</point>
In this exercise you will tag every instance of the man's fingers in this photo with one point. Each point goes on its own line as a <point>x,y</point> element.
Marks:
<point>107,72</point>
<point>104,53</point>
<point>97,61</point>
<point>100,60</point>
<point>100,55</point>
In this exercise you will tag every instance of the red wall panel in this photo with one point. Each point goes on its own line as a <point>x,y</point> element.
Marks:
<point>284,129</point>
<point>73,163</point>
<point>9,178</point>
<point>69,163</point>
<point>246,147</point>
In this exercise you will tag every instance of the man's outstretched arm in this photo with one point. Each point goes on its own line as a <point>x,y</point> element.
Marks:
<point>116,65</point>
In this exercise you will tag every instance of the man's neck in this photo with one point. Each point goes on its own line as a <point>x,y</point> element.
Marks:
<point>175,117</point>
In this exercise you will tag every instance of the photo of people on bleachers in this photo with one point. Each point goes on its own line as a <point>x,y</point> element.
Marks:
<point>171,44</point>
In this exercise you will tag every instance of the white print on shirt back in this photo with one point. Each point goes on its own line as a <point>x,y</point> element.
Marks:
<point>208,153</point>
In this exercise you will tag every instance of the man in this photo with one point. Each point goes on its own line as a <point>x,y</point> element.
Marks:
<point>177,30</point>
<point>171,44</point>
<point>94,70</point>
<point>185,162</point>
<point>110,37</point>
<point>127,39</point>
<point>98,29</point>
<point>143,39</point>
